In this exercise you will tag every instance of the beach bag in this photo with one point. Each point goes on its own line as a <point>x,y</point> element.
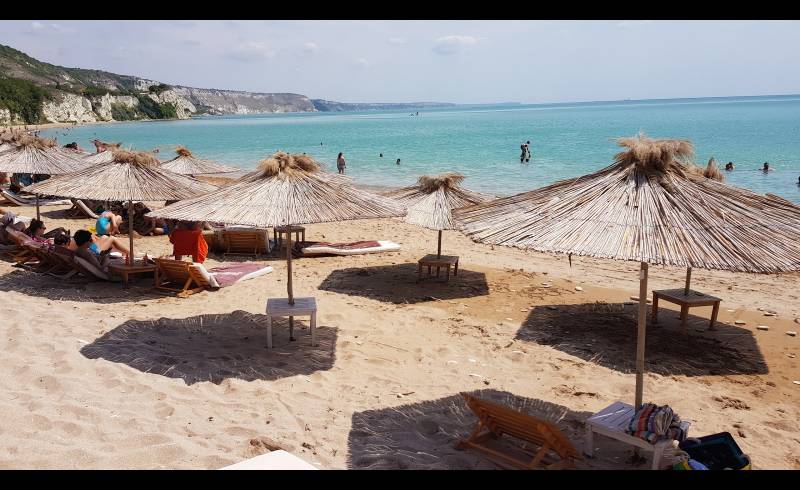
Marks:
<point>716,452</point>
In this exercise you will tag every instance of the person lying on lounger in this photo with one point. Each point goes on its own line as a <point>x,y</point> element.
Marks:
<point>37,231</point>
<point>89,251</point>
<point>100,244</point>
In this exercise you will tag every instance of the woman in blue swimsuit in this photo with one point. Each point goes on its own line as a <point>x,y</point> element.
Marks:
<point>108,223</point>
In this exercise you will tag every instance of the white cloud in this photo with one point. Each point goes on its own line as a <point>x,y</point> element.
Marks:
<point>361,63</point>
<point>448,45</point>
<point>37,25</point>
<point>310,48</point>
<point>250,51</point>
<point>397,40</point>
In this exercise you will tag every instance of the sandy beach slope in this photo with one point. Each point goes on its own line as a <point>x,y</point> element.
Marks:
<point>96,376</point>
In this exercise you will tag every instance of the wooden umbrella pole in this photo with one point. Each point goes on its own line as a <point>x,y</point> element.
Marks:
<point>641,335</point>
<point>688,281</point>
<point>289,278</point>
<point>439,250</point>
<point>37,206</point>
<point>130,232</point>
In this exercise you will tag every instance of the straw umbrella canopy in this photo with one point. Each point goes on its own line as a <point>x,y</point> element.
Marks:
<point>131,176</point>
<point>105,156</point>
<point>285,190</point>
<point>653,206</point>
<point>34,155</point>
<point>431,201</point>
<point>188,164</point>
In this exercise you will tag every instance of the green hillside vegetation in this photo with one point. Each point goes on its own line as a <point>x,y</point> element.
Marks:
<point>23,98</point>
<point>28,82</point>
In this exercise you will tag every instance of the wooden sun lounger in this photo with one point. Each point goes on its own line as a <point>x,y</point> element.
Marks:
<point>244,242</point>
<point>170,273</point>
<point>81,208</point>
<point>496,420</point>
<point>24,201</point>
<point>18,252</point>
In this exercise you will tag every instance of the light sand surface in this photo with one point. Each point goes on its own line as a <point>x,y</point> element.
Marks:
<point>96,376</point>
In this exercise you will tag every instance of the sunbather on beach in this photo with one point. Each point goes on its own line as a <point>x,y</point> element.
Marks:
<point>36,230</point>
<point>88,250</point>
<point>99,244</point>
<point>108,223</point>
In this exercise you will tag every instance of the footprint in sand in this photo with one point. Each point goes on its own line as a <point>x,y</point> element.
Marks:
<point>163,411</point>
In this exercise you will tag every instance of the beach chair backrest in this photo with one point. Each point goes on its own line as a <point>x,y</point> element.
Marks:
<point>17,237</point>
<point>85,209</point>
<point>246,242</point>
<point>504,420</point>
<point>173,270</point>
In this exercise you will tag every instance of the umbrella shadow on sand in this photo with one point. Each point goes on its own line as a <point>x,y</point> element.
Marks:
<point>77,288</point>
<point>423,435</point>
<point>216,347</point>
<point>605,334</point>
<point>398,284</point>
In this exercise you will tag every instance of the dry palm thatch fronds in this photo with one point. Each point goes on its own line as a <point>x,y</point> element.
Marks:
<point>285,190</point>
<point>34,155</point>
<point>188,164</point>
<point>646,207</point>
<point>105,156</point>
<point>130,176</point>
<point>712,171</point>
<point>431,202</point>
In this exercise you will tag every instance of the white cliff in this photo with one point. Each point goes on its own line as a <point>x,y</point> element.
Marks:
<point>68,107</point>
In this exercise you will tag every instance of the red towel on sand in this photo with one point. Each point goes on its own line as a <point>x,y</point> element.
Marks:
<point>189,242</point>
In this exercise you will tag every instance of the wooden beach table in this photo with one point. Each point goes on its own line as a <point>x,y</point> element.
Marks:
<point>686,300</point>
<point>438,261</point>
<point>612,422</point>
<point>279,307</point>
<point>279,231</point>
<point>126,270</point>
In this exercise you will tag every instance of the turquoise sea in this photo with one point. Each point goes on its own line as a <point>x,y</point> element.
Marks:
<point>482,142</point>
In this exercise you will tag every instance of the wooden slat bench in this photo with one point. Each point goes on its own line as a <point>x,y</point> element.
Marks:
<point>613,421</point>
<point>280,307</point>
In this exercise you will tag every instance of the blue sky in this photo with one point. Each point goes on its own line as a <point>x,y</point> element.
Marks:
<point>447,61</point>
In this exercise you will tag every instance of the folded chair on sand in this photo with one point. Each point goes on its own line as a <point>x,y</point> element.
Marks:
<point>496,420</point>
<point>354,248</point>
<point>275,460</point>
<point>179,276</point>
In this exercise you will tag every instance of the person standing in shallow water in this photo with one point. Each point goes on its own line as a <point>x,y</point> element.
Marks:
<point>340,163</point>
<point>398,161</point>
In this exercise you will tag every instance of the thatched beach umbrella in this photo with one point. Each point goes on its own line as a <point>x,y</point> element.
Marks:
<point>652,207</point>
<point>34,155</point>
<point>105,156</point>
<point>131,176</point>
<point>431,202</point>
<point>187,163</point>
<point>286,190</point>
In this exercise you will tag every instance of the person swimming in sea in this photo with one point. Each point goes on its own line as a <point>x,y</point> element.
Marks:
<point>766,168</point>
<point>398,161</point>
<point>381,155</point>
<point>729,166</point>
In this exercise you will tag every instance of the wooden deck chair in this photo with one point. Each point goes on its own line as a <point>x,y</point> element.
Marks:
<point>496,420</point>
<point>178,276</point>
<point>19,253</point>
<point>241,242</point>
<point>79,208</point>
